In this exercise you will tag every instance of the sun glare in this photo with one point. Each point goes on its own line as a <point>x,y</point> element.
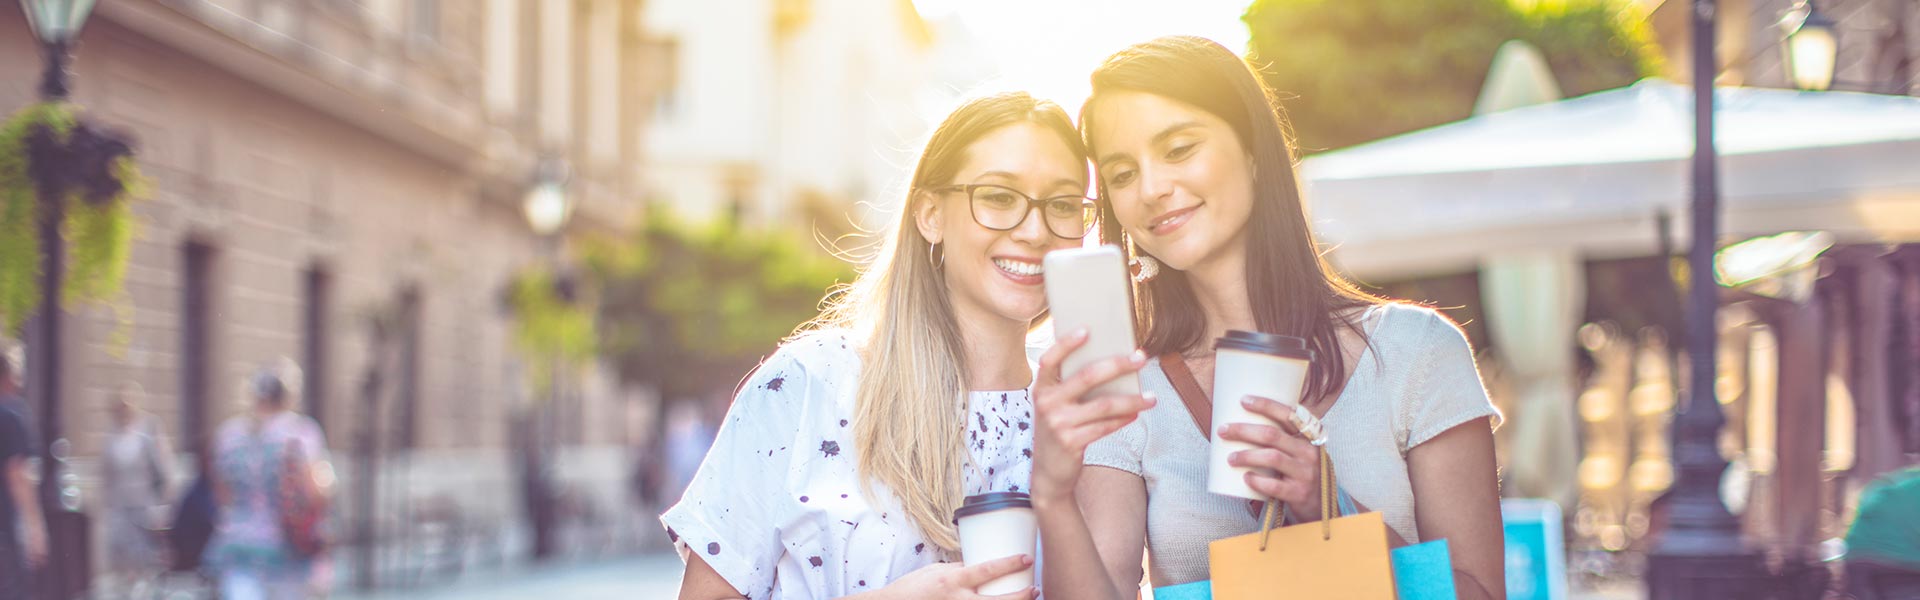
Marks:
<point>1049,46</point>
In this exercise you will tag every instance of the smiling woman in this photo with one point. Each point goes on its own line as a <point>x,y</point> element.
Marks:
<point>1195,169</point>
<point>841,463</point>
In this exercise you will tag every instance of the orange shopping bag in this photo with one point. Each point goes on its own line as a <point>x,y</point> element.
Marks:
<point>1344,558</point>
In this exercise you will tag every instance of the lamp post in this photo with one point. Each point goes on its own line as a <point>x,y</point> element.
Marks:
<point>58,168</point>
<point>1810,44</point>
<point>1700,555</point>
<point>547,209</point>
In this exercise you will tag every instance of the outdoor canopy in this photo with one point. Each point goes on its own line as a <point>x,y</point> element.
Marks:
<point>1590,175</point>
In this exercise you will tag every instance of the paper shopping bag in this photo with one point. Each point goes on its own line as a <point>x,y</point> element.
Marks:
<point>1342,557</point>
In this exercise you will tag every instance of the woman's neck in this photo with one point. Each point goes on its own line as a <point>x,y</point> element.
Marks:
<point>1220,286</point>
<point>994,349</point>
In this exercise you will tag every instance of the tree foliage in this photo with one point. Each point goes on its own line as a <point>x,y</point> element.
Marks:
<point>1351,71</point>
<point>691,308</point>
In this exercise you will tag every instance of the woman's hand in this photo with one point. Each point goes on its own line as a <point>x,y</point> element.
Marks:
<point>1287,467</point>
<point>1067,421</point>
<point>953,581</point>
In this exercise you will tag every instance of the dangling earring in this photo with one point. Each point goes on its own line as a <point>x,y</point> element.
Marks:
<point>1144,268</point>
<point>938,263</point>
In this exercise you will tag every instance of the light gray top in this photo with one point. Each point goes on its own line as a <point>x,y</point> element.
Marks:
<point>1415,380</point>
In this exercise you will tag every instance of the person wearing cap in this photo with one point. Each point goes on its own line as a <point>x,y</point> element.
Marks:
<point>254,455</point>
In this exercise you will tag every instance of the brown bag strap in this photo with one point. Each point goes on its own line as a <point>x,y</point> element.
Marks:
<point>1198,405</point>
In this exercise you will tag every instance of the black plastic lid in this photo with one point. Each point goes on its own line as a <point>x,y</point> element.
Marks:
<point>989,502</point>
<point>1264,343</point>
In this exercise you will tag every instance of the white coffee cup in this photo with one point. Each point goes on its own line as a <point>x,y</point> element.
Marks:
<point>1250,364</point>
<point>994,526</point>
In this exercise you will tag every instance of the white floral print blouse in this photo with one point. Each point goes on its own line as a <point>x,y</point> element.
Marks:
<point>777,509</point>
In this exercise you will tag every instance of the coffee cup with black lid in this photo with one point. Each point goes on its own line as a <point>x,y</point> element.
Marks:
<point>994,526</point>
<point>1249,363</point>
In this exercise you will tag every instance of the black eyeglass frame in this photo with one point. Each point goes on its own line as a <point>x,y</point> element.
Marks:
<point>1087,207</point>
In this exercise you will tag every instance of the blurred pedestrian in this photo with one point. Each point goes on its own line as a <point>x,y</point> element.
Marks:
<point>134,470</point>
<point>270,478</point>
<point>194,518</point>
<point>23,532</point>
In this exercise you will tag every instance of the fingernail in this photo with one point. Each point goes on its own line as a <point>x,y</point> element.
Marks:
<point>1026,559</point>
<point>1081,333</point>
<point>1247,402</point>
<point>1150,398</point>
<point>1139,357</point>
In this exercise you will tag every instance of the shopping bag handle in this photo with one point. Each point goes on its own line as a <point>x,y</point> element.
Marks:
<point>1327,506</point>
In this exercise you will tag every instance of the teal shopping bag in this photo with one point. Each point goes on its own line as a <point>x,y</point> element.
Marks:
<point>1420,572</point>
<point>1198,590</point>
<point>1423,571</point>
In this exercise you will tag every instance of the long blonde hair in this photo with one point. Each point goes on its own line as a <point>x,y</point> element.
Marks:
<point>910,409</point>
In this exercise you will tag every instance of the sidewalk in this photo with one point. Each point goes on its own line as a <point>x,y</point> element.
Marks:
<point>647,576</point>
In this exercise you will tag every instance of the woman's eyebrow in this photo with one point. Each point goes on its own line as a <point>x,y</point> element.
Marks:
<point>1156,139</point>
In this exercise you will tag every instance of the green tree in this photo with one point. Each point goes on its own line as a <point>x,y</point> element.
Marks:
<point>691,308</point>
<point>1351,71</point>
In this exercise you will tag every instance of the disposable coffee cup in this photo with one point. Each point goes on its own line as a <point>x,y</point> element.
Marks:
<point>995,526</point>
<point>1249,363</point>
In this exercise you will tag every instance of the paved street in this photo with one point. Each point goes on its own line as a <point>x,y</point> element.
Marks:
<point>655,576</point>
<point>639,578</point>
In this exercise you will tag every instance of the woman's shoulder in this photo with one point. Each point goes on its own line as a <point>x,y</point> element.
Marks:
<point>1405,324</point>
<point>805,366</point>
<point>821,354</point>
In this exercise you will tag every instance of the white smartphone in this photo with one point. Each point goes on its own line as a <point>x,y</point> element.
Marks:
<point>1087,287</point>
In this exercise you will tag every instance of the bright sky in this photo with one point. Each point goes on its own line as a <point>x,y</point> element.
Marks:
<point>1048,47</point>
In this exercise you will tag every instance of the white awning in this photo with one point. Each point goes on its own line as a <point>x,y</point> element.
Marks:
<point>1591,173</point>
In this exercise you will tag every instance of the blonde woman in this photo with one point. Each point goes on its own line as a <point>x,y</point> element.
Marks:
<point>837,471</point>
<point>134,471</point>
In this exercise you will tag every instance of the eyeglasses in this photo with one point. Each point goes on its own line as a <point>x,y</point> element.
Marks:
<point>1002,208</point>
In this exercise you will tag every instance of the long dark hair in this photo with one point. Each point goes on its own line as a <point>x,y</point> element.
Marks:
<point>1291,288</point>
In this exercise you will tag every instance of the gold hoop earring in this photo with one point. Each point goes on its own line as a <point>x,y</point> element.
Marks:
<point>938,263</point>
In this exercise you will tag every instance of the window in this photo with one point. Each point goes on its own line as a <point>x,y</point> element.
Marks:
<point>317,290</point>
<point>195,339</point>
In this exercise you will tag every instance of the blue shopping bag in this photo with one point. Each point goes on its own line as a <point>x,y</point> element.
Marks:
<point>1423,571</point>
<point>1420,572</point>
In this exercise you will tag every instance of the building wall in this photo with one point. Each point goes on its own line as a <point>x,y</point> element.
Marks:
<point>389,148</point>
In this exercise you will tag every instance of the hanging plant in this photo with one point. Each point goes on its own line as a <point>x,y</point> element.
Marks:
<point>98,179</point>
<point>551,323</point>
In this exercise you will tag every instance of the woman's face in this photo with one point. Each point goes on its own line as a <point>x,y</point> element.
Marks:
<point>1178,178</point>
<point>998,272</point>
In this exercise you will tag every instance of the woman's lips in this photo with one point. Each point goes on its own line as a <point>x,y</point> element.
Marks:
<point>1172,220</point>
<point>1021,270</point>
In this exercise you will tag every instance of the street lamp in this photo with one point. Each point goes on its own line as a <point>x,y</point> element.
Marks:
<point>56,23</point>
<point>58,167</point>
<point>1811,45</point>
<point>547,206</point>
<point>1699,554</point>
<point>547,209</point>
